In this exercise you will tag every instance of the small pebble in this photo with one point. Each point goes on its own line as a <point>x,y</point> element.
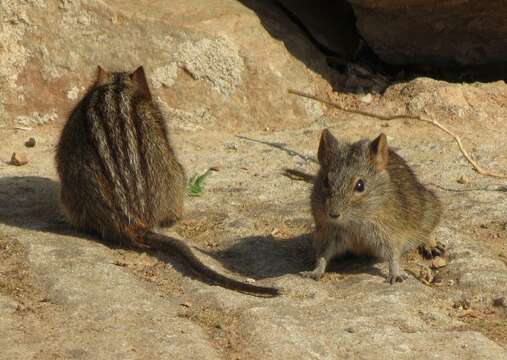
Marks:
<point>366,98</point>
<point>463,180</point>
<point>231,145</point>
<point>19,159</point>
<point>30,143</point>
<point>463,304</point>
<point>438,262</point>
<point>499,302</point>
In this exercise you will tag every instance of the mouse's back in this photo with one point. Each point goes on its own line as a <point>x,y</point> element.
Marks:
<point>118,172</point>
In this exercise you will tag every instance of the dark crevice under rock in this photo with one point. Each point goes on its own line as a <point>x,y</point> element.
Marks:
<point>448,40</point>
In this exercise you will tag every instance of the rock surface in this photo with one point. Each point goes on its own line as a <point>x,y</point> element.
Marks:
<point>218,73</point>
<point>434,32</point>
<point>216,55</point>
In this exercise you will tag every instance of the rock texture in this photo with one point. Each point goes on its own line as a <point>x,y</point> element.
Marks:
<point>434,32</point>
<point>216,55</point>
<point>218,73</point>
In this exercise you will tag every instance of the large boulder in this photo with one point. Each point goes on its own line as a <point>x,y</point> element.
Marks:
<point>213,65</point>
<point>442,32</point>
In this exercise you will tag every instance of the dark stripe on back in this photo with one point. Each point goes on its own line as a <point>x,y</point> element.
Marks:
<point>134,161</point>
<point>109,121</point>
<point>119,126</point>
<point>107,156</point>
<point>140,131</point>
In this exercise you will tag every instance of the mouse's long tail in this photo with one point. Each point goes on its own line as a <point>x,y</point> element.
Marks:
<point>174,245</point>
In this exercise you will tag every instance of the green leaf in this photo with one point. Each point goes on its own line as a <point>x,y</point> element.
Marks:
<point>195,185</point>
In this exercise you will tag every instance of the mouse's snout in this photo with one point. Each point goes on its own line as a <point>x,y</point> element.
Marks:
<point>333,214</point>
<point>334,210</point>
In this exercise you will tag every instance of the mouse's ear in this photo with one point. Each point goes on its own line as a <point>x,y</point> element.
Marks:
<point>327,147</point>
<point>379,152</point>
<point>139,78</point>
<point>101,75</point>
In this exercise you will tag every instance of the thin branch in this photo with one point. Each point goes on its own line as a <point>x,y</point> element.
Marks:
<point>281,146</point>
<point>17,128</point>
<point>457,139</point>
<point>298,175</point>
<point>487,188</point>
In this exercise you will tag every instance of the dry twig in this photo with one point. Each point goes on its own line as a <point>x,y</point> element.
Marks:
<point>472,162</point>
<point>18,128</point>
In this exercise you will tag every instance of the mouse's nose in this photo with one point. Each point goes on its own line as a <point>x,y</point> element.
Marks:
<point>334,215</point>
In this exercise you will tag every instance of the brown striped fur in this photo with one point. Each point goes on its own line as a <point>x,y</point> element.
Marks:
<point>392,215</point>
<point>119,174</point>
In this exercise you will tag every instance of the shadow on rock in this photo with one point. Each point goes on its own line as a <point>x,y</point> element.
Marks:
<point>263,257</point>
<point>298,41</point>
<point>323,35</point>
<point>32,202</point>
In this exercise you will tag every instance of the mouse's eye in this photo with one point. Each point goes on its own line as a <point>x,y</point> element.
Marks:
<point>359,186</point>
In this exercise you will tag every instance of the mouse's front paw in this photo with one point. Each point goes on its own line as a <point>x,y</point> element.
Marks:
<point>315,274</point>
<point>429,251</point>
<point>399,277</point>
